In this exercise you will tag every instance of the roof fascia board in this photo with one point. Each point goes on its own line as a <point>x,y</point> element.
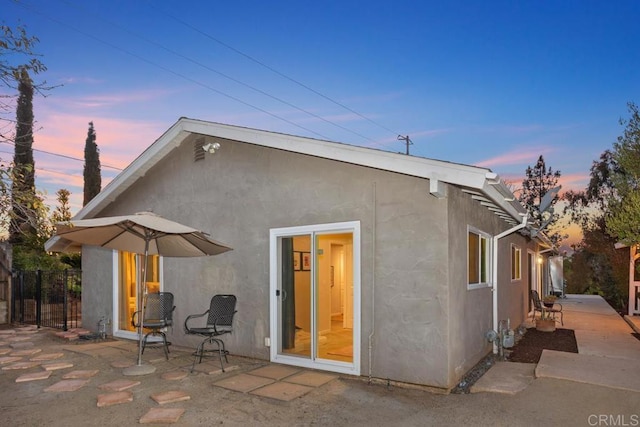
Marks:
<point>453,173</point>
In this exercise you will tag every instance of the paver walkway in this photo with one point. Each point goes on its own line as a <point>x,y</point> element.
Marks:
<point>56,373</point>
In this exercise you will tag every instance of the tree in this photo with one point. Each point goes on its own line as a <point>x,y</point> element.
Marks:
<point>538,182</point>
<point>23,211</point>
<point>608,212</point>
<point>92,179</point>
<point>23,186</point>
<point>18,63</point>
<point>623,220</point>
<point>62,213</point>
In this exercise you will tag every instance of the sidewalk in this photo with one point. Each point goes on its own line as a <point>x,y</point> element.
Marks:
<point>608,354</point>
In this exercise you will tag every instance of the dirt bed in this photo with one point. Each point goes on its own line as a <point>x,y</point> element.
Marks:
<point>529,348</point>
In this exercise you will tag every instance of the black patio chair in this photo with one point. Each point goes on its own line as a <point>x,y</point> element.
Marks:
<point>158,314</point>
<point>539,307</point>
<point>219,321</point>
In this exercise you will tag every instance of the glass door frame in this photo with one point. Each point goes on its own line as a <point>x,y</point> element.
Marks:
<point>123,333</point>
<point>275,235</point>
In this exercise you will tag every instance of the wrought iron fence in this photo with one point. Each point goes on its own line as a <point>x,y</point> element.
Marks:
<point>47,298</point>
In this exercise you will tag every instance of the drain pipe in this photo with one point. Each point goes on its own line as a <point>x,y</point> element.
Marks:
<point>373,280</point>
<point>494,272</point>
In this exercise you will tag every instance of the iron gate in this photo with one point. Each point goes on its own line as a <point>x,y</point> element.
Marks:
<point>47,298</point>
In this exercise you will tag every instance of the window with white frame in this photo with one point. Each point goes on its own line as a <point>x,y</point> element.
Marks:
<point>516,264</point>
<point>478,259</point>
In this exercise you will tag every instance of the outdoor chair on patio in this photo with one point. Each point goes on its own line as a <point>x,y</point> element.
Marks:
<point>158,314</point>
<point>539,306</point>
<point>219,321</point>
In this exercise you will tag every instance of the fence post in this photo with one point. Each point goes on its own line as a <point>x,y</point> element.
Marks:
<point>38,298</point>
<point>64,300</point>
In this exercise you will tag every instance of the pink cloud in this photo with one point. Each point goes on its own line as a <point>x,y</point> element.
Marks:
<point>518,157</point>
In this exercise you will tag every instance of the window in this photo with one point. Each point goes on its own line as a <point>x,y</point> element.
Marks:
<point>516,265</point>
<point>478,259</point>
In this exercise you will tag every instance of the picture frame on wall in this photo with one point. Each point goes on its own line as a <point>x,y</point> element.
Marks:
<point>296,261</point>
<point>306,261</point>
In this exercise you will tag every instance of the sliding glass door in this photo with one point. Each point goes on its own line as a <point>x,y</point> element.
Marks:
<point>315,296</point>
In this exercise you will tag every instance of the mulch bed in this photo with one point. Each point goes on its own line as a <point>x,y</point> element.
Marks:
<point>529,348</point>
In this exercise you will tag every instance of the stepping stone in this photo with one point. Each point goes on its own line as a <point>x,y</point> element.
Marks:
<point>116,398</point>
<point>71,337</point>
<point>170,397</point>
<point>27,352</point>
<point>57,365</point>
<point>20,365</point>
<point>67,385</point>
<point>34,376</point>
<point>174,375</point>
<point>276,372</point>
<point>162,416</point>
<point>122,363</point>
<point>243,382</point>
<point>79,331</point>
<point>16,338</point>
<point>282,391</point>
<point>80,374</point>
<point>118,385</point>
<point>46,356</point>
<point>311,379</point>
<point>213,368</point>
<point>26,331</point>
<point>9,359</point>
<point>19,345</point>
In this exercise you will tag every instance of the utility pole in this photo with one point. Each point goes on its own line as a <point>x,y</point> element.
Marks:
<point>406,140</point>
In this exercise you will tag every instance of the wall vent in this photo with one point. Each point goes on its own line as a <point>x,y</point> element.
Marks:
<point>198,151</point>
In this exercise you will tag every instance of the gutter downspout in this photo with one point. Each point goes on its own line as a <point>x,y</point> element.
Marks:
<point>494,272</point>
<point>373,281</point>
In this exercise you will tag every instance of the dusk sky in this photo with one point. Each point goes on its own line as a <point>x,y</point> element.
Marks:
<point>487,83</point>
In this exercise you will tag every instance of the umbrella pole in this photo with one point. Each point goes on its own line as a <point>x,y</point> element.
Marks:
<point>139,368</point>
<point>141,299</point>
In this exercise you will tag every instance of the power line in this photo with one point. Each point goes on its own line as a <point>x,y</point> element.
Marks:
<point>175,73</point>
<point>226,76</point>
<point>62,155</point>
<point>46,170</point>
<point>273,70</point>
<point>262,92</point>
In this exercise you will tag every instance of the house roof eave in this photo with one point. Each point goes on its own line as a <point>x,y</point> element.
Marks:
<point>465,176</point>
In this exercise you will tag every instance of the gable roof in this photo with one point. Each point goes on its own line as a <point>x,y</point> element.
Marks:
<point>482,184</point>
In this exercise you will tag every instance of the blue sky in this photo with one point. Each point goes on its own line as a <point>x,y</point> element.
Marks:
<point>492,84</point>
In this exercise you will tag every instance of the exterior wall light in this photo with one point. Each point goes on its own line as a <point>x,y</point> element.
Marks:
<point>211,147</point>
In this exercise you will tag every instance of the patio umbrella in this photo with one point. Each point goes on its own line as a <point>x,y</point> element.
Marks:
<point>143,233</point>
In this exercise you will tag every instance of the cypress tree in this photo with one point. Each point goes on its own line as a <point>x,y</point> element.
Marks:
<point>23,186</point>
<point>92,178</point>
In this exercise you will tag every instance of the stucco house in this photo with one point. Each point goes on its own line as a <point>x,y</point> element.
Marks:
<point>346,259</point>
